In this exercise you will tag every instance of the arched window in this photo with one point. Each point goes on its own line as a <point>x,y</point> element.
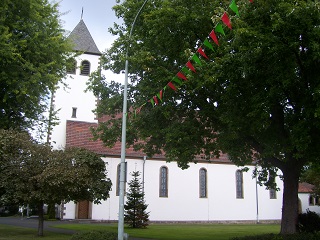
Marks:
<point>203,183</point>
<point>71,66</point>
<point>311,200</point>
<point>239,184</point>
<point>163,188</point>
<point>273,193</point>
<point>85,68</point>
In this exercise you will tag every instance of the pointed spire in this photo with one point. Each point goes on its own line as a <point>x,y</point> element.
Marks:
<point>81,14</point>
<point>82,39</point>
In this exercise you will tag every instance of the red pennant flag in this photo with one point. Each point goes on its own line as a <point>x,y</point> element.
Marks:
<point>251,1</point>
<point>225,19</point>
<point>180,75</point>
<point>137,111</point>
<point>190,66</point>
<point>200,50</point>
<point>170,84</point>
<point>214,37</point>
<point>155,100</point>
<point>160,95</point>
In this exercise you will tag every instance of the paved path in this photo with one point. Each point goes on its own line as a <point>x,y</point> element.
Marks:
<point>48,225</point>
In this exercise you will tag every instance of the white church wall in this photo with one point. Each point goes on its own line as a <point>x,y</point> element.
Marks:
<point>70,212</point>
<point>305,205</point>
<point>183,202</point>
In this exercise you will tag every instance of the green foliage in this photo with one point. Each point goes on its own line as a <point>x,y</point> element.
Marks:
<point>257,98</point>
<point>51,211</point>
<point>300,236</point>
<point>309,222</point>
<point>135,207</point>
<point>34,174</point>
<point>311,175</point>
<point>94,235</point>
<point>33,55</point>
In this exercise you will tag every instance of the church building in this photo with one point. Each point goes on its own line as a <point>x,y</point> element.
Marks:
<point>209,191</point>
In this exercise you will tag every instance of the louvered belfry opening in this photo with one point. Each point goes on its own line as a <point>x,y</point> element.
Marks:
<point>85,68</point>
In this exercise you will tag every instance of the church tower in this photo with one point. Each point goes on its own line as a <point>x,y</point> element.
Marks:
<point>71,101</point>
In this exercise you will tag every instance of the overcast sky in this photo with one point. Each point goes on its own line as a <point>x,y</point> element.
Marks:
<point>98,17</point>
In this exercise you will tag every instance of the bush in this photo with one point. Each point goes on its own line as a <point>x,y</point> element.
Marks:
<point>95,235</point>
<point>51,211</point>
<point>297,236</point>
<point>309,222</point>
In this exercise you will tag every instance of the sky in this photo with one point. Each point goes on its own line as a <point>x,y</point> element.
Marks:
<point>98,17</point>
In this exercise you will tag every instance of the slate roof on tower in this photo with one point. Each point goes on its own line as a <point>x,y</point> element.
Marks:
<point>82,40</point>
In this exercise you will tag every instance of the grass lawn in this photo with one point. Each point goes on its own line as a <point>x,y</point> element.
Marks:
<point>183,231</point>
<point>19,233</point>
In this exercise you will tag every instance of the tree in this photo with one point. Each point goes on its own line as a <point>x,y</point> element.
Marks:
<point>311,175</point>
<point>32,173</point>
<point>33,57</point>
<point>257,99</point>
<point>135,208</point>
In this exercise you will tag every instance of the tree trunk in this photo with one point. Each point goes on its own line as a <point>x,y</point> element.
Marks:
<point>40,222</point>
<point>290,200</point>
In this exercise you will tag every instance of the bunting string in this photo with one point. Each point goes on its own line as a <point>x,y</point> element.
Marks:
<point>180,77</point>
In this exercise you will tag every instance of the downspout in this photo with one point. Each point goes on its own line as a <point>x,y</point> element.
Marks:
<point>143,169</point>
<point>257,200</point>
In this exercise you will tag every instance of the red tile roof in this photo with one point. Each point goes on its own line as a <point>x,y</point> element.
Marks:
<point>305,187</point>
<point>79,135</point>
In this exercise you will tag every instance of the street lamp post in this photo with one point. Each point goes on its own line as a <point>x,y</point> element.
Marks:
<point>123,137</point>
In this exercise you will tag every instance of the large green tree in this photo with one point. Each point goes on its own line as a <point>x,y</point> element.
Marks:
<point>32,173</point>
<point>256,99</point>
<point>33,55</point>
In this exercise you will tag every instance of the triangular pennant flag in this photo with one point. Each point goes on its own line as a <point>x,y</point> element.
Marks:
<point>180,75</point>
<point>156,100</point>
<point>177,80</point>
<point>208,44</point>
<point>214,37</point>
<point>190,66</point>
<point>196,59</point>
<point>225,19</point>
<point>160,95</point>
<point>170,84</point>
<point>200,50</point>
<point>219,29</point>
<point>233,6</point>
<point>152,102</point>
<point>138,110</point>
<point>185,70</point>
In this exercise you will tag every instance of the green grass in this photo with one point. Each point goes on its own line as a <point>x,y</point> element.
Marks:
<point>154,231</point>
<point>19,233</point>
<point>183,231</point>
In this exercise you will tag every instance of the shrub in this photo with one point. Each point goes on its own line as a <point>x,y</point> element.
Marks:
<point>309,222</point>
<point>297,236</point>
<point>95,235</point>
<point>51,211</point>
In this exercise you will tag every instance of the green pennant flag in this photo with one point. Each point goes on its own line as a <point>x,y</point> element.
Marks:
<point>233,6</point>
<point>219,29</point>
<point>177,80</point>
<point>208,44</point>
<point>196,59</point>
<point>185,70</point>
<point>152,102</point>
